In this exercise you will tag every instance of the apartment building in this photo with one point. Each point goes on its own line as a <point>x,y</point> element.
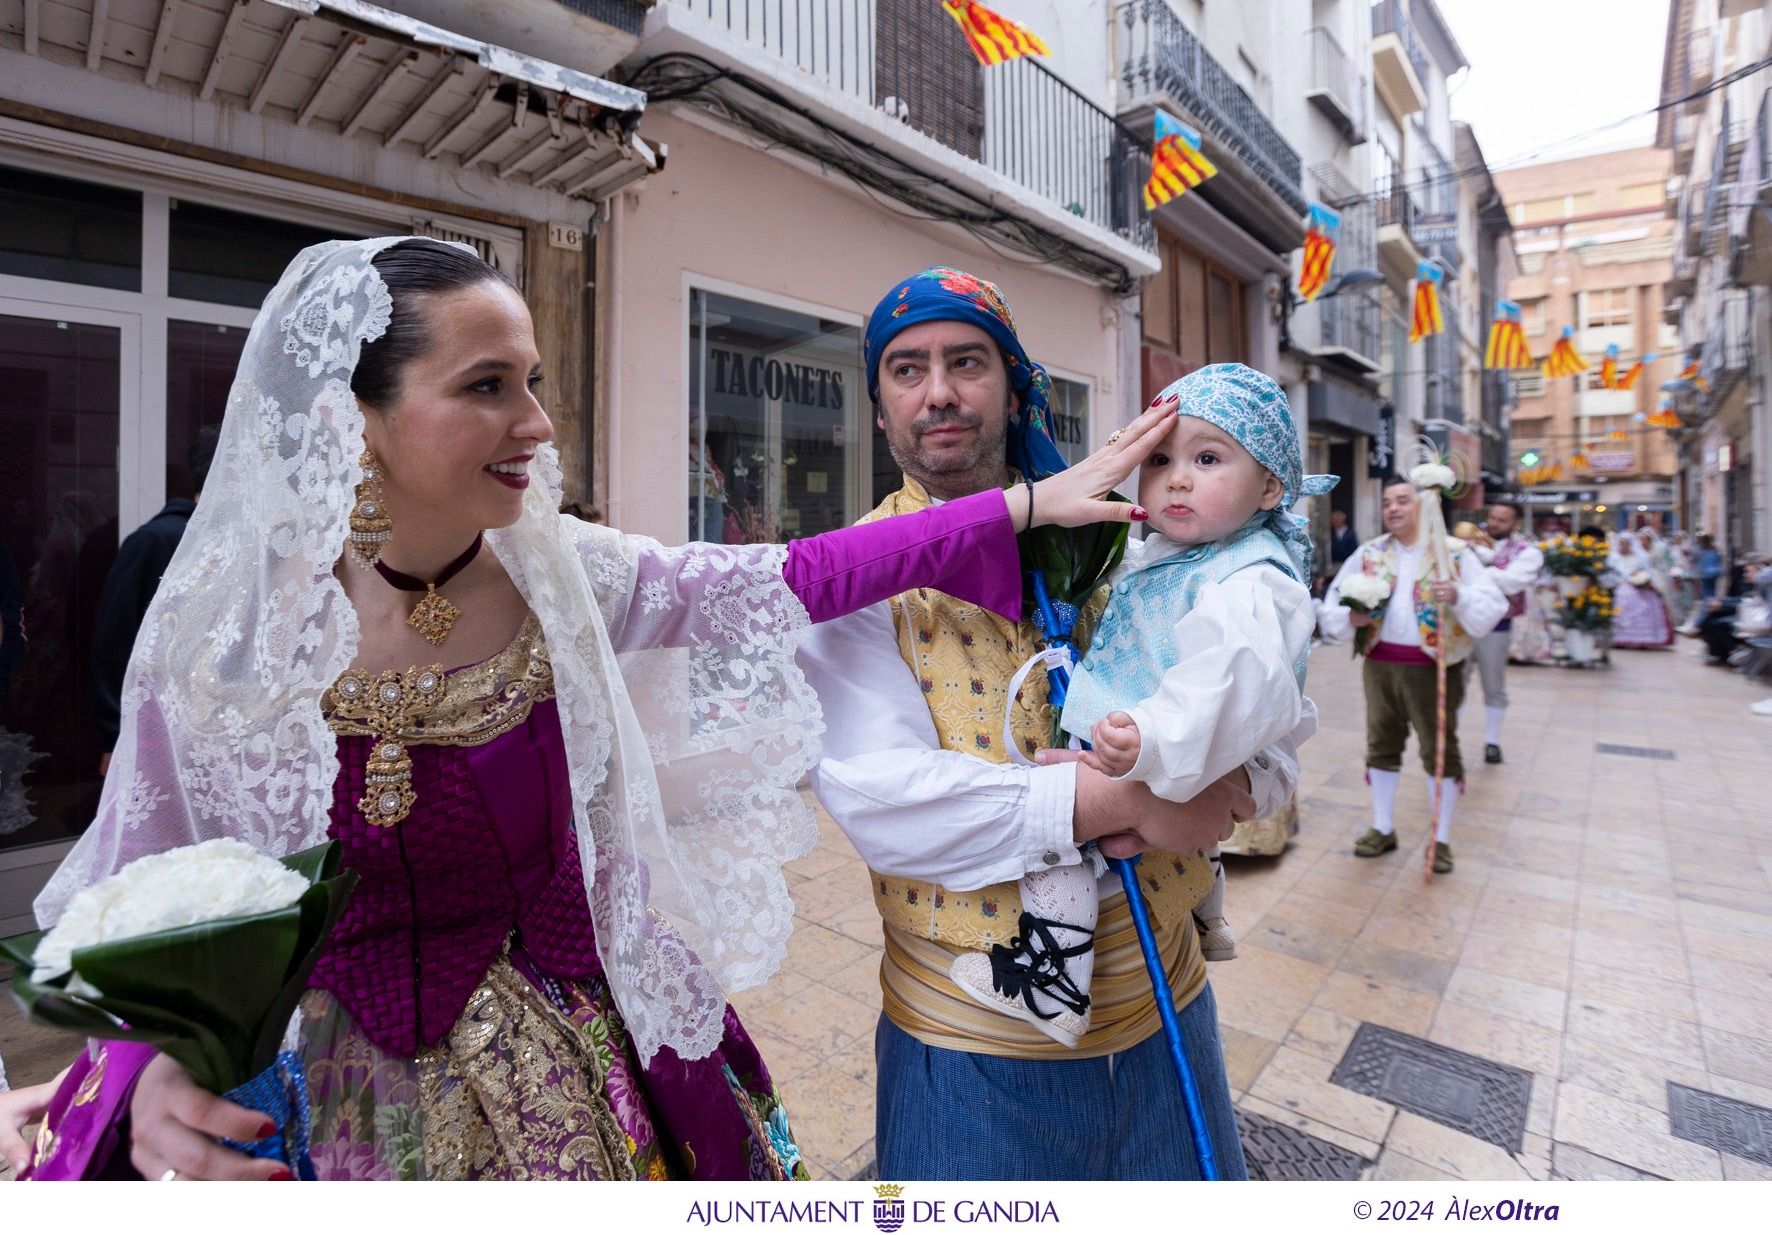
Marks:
<point>1716,135</point>
<point>1595,251</point>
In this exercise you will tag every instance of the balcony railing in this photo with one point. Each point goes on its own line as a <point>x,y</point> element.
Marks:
<point>1388,17</point>
<point>1445,385</point>
<point>1164,57</point>
<point>1715,193</point>
<point>1438,186</point>
<point>1017,118</point>
<point>1728,351</point>
<point>1351,321</point>
<point>1396,208</point>
<point>1337,87</point>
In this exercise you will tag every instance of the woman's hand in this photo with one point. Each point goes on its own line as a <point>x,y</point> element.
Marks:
<point>175,1125</point>
<point>20,1108</point>
<point>1073,497</point>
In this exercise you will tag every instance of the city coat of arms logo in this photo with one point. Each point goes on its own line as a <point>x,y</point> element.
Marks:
<point>889,1207</point>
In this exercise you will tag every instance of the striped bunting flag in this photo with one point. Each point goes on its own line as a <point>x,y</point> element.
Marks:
<point>1427,319</point>
<point>992,37</point>
<point>1176,162</point>
<point>1507,339</point>
<point>1321,227</point>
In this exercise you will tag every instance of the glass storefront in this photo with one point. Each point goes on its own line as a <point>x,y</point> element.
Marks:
<point>776,422</point>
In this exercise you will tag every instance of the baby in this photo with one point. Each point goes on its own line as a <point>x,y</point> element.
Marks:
<point>1197,665</point>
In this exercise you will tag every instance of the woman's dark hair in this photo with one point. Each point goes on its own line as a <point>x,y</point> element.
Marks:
<point>411,269</point>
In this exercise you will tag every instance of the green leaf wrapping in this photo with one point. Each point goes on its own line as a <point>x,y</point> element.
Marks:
<point>216,996</point>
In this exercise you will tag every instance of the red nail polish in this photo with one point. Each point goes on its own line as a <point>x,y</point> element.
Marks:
<point>279,1175</point>
<point>266,1129</point>
<point>1140,514</point>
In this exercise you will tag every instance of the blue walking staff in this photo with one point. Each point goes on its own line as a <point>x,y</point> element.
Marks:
<point>1056,622</point>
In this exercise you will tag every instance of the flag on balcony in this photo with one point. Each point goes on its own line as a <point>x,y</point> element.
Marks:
<point>1628,379</point>
<point>1176,162</point>
<point>1564,360</point>
<point>992,37</point>
<point>1663,417</point>
<point>1427,319</point>
<point>1322,225</point>
<point>1579,462</point>
<point>1609,367</point>
<point>1691,374</point>
<point>1507,339</point>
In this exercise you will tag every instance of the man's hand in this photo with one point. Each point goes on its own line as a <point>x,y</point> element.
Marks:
<point>1128,818</point>
<point>1116,744</point>
<point>1444,593</point>
<point>1358,618</point>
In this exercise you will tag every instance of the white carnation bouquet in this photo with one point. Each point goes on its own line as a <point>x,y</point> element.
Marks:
<point>1433,476</point>
<point>204,952</point>
<point>1365,593</point>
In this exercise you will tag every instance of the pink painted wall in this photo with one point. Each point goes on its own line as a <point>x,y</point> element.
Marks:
<point>725,212</point>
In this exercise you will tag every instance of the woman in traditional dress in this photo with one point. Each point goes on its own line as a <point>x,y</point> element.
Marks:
<point>1643,619</point>
<point>570,842</point>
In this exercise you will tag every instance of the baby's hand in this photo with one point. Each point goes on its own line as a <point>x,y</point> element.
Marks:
<point>1115,739</point>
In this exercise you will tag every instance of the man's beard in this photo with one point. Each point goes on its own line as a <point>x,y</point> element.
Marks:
<point>987,453</point>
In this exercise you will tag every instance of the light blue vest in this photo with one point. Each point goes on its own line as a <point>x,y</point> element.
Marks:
<point>1134,645</point>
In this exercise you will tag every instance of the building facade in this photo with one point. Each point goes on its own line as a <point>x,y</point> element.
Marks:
<point>1715,131</point>
<point>1595,251</point>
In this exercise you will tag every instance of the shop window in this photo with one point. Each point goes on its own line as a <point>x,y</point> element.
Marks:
<point>70,231</point>
<point>1070,418</point>
<point>226,257</point>
<point>776,421</point>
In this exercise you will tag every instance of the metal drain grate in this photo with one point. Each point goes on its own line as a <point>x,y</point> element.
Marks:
<point>1725,1124</point>
<point>1275,1152</point>
<point>1635,752</point>
<point>1478,1096</point>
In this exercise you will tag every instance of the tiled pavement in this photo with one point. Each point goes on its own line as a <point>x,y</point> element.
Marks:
<point>1608,930</point>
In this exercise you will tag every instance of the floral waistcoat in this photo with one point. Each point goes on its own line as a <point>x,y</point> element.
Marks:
<point>1379,559</point>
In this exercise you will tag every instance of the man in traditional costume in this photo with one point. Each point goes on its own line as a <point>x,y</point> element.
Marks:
<point>1400,642</point>
<point>1513,562</point>
<point>915,693</point>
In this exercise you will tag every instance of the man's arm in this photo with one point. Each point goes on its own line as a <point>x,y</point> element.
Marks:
<point>1519,574</point>
<point>1480,604</point>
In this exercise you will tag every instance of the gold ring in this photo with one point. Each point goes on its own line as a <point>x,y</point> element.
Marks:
<point>1114,436</point>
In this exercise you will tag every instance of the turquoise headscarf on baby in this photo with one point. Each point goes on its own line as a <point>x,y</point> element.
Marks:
<point>1252,409</point>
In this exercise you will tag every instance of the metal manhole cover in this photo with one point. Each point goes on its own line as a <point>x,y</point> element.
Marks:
<point>1276,1152</point>
<point>1635,752</point>
<point>1478,1096</point>
<point>1725,1124</point>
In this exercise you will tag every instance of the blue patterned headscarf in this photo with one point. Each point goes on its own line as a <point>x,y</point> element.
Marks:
<point>942,294</point>
<point>1252,409</point>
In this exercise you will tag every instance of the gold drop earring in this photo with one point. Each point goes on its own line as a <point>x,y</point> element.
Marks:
<point>371,529</point>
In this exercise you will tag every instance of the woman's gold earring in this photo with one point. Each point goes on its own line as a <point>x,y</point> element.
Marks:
<point>371,528</point>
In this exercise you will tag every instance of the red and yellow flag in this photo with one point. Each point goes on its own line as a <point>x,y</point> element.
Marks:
<point>1691,374</point>
<point>1628,379</point>
<point>1427,318</point>
<point>1663,418</point>
<point>1609,367</point>
<point>1507,340</point>
<point>1321,227</point>
<point>992,37</point>
<point>1177,164</point>
<point>1564,360</point>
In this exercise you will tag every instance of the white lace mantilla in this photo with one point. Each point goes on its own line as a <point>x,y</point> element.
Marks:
<point>686,722</point>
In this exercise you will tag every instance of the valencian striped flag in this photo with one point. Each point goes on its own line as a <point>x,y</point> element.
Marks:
<point>1322,225</point>
<point>1427,318</point>
<point>992,37</point>
<point>1609,367</point>
<point>1564,360</point>
<point>1628,379</point>
<point>1507,339</point>
<point>1176,162</point>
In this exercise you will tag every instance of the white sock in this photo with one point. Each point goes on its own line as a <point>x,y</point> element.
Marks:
<point>1492,715</point>
<point>1213,904</point>
<point>1448,804</point>
<point>1384,798</point>
<point>1065,894</point>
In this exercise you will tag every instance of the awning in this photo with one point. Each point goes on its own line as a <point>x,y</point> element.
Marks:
<point>370,75</point>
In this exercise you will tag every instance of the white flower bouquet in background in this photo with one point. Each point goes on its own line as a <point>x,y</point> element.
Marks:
<point>1365,594</point>
<point>1433,476</point>
<point>203,952</point>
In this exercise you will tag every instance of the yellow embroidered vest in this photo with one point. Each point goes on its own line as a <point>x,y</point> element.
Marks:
<point>963,657</point>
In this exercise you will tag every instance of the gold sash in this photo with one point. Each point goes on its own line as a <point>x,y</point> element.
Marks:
<point>963,657</point>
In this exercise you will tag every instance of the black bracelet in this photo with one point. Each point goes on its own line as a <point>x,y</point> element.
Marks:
<point>1030,485</point>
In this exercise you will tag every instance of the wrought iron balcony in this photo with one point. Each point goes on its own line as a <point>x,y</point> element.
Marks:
<point>1445,384</point>
<point>1338,89</point>
<point>1404,77</point>
<point>1728,350</point>
<point>1164,57</point>
<point>1017,118</point>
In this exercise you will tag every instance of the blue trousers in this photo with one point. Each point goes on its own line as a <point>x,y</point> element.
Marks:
<point>945,1114</point>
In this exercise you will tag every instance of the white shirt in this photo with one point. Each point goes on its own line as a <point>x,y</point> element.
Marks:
<point>1519,574</point>
<point>1479,607</point>
<point>915,811</point>
<point>1232,690</point>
